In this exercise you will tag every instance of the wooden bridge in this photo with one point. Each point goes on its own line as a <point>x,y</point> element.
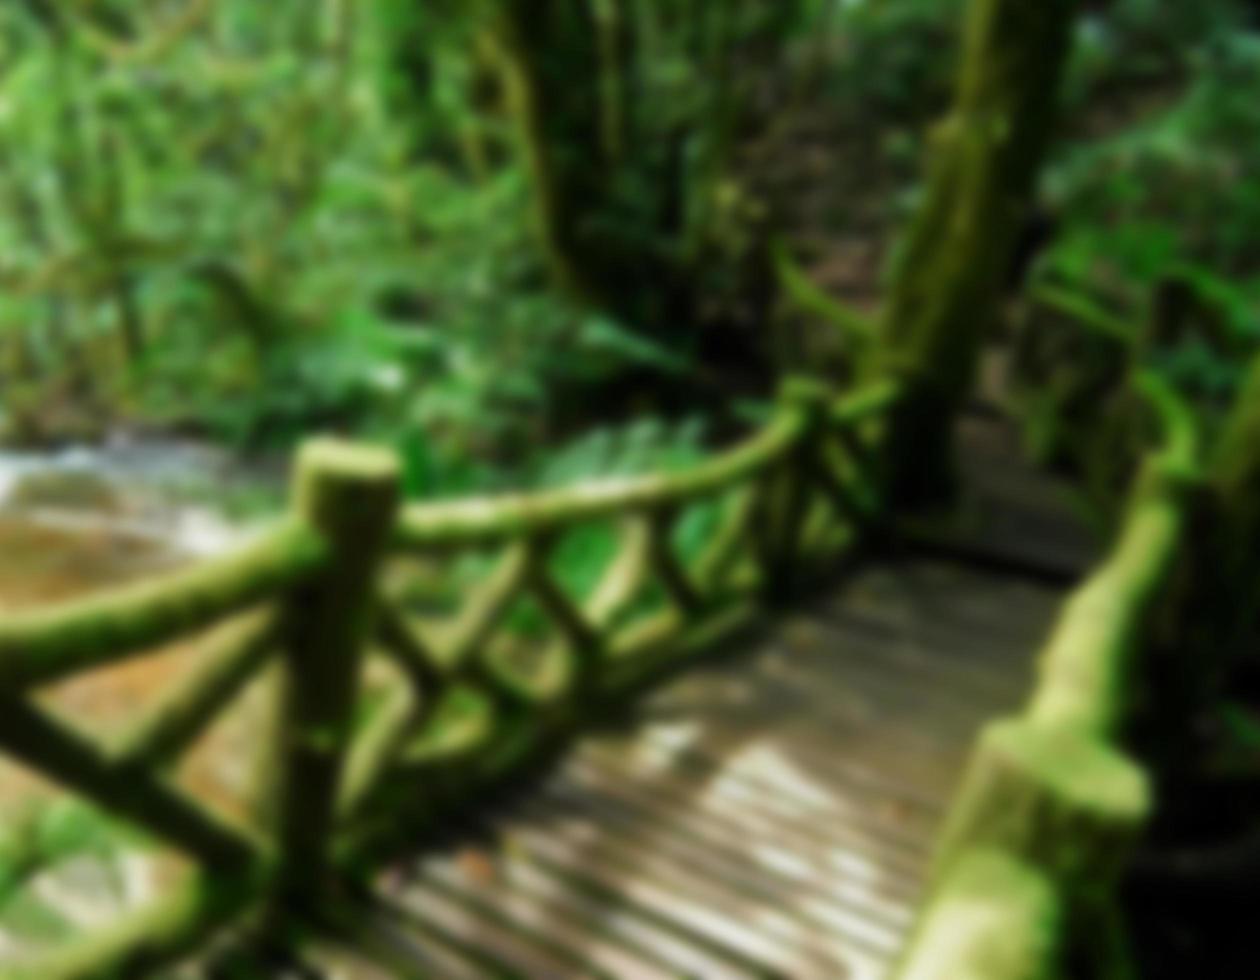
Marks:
<point>479,768</point>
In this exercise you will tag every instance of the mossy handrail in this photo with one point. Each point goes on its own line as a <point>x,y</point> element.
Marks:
<point>469,521</point>
<point>52,643</point>
<point>1051,792</point>
<point>338,773</point>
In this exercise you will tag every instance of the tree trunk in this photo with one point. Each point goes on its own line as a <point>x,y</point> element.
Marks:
<point>600,200</point>
<point>954,262</point>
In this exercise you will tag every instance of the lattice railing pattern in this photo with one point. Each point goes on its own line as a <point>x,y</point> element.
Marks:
<point>458,698</point>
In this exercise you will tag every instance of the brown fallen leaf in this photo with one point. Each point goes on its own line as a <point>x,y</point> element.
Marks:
<point>477,865</point>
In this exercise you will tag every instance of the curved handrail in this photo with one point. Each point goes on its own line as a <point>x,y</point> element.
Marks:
<point>1058,764</point>
<point>1085,662</point>
<point>793,504</point>
<point>1180,426</point>
<point>46,644</point>
<point>485,519</point>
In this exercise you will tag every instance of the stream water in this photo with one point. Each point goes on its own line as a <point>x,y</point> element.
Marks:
<point>76,521</point>
<point>184,497</point>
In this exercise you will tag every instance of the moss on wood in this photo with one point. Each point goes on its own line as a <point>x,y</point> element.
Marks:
<point>992,918</point>
<point>1087,668</point>
<point>407,649</point>
<point>182,714</point>
<point>349,494</point>
<point>53,749</point>
<point>464,522</point>
<point>375,746</point>
<point>47,645</point>
<point>1054,796</point>
<point>625,577</point>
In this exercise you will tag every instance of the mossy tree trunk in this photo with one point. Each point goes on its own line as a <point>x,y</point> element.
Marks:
<point>629,115</point>
<point>606,204</point>
<point>948,283</point>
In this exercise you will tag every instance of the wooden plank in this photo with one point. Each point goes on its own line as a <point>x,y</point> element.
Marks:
<point>744,809</point>
<point>775,766</point>
<point>833,654</point>
<point>688,907</point>
<point>501,949</point>
<point>774,871</point>
<point>854,728</point>
<point>939,707</point>
<point>618,920</point>
<point>938,700</point>
<point>797,938</point>
<point>493,889</point>
<point>985,645</point>
<point>412,950</point>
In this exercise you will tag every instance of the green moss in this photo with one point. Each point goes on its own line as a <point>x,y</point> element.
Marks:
<point>992,918</point>
<point>955,258</point>
<point>46,645</point>
<point>1088,665</point>
<point>1054,797</point>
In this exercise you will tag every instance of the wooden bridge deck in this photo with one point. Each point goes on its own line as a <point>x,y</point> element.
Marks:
<point>771,815</point>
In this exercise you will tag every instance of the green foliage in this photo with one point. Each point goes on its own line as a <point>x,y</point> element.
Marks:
<point>897,58</point>
<point>1153,262</point>
<point>236,235</point>
<point>41,838</point>
<point>1170,189</point>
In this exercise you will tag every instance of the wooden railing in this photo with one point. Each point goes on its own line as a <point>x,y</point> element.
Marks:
<point>474,688</point>
<point>1051,804</point>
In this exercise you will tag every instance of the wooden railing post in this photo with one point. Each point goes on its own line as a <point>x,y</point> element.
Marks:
<point>790,498</point>
<point>350,495</point>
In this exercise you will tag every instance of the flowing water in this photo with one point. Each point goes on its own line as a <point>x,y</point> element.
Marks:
<point>74,522</point>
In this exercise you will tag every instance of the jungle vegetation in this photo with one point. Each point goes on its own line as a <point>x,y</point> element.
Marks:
<point>527,241</point>
<point>450,224</point>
